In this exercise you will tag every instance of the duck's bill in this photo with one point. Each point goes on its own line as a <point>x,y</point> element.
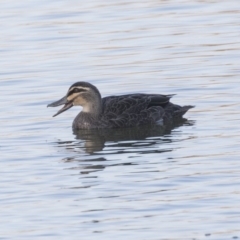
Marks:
<point>67,105</point>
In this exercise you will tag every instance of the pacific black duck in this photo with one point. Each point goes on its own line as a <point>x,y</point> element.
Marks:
<point>130,110</point>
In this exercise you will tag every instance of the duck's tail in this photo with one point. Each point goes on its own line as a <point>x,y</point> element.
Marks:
<point>184,109</point>
<point>174,113</point>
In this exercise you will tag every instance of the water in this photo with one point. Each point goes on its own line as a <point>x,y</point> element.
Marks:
<point>127,184</point>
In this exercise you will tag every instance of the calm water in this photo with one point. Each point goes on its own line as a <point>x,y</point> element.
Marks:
<point>127,184</point>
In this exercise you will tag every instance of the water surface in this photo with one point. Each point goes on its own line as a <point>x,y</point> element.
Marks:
<point>148,184</point>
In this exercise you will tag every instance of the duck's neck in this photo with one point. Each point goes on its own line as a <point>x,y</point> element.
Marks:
<point>90,114</point>
<point>93,108</point>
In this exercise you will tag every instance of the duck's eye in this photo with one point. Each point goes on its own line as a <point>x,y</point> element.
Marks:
<point>76,90</point>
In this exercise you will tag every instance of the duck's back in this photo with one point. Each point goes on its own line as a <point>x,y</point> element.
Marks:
<point>139,109</point>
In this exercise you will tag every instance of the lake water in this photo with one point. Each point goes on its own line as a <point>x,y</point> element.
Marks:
<point>179,185</point>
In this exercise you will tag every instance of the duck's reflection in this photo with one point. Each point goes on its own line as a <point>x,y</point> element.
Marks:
<point>94,140</point>
<point>92,147</point>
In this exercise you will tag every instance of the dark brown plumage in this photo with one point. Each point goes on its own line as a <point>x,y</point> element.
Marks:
<point>119,111</point>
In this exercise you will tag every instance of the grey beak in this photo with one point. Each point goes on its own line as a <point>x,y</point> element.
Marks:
<point>68,104</point>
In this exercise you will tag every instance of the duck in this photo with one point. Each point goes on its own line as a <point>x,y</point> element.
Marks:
<point>124,111</point>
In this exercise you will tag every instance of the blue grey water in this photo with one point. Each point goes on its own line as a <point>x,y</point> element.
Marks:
<point>182,184</point>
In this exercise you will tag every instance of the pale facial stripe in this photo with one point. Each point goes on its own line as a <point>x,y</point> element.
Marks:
<point>71,94</point>
<point>80,88</point>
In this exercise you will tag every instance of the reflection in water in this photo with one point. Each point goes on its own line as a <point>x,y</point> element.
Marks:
<point>93,144</point>
<point>93,140</point>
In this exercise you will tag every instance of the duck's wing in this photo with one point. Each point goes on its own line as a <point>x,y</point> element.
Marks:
<point>123,103</point>
<point>133,110</point>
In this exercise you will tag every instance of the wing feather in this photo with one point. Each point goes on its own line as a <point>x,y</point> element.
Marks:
<point>139,109</point>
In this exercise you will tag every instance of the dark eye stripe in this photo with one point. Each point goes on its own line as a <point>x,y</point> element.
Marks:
<point>76,90</point>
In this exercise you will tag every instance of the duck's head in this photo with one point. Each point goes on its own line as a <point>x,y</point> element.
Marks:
<point>80,94</point>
